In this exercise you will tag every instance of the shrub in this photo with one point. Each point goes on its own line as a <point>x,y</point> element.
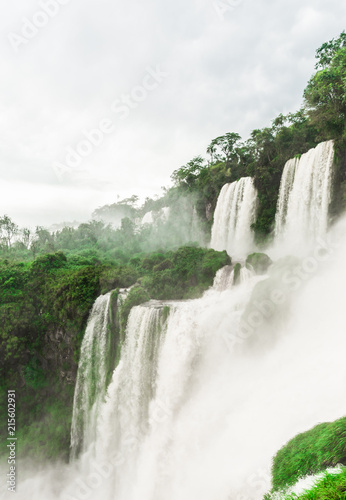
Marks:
<point>310,452</point>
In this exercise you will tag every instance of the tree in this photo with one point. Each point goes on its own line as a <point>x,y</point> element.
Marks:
<point>223,148</point>
<point>327,51</point>
<point>325,94</point>
<point>45,240</point>
<point>26,237</point>
<point>8,229</point>
<point>188,174</point>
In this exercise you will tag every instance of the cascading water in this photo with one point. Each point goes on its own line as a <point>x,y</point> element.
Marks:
<point>286,185</point>
<point>225,278</point>
<point>234,214</point>
<point>305,195</point>
<point>97,359</point>
<point>208,390</point>
<point>198,405</point>
<point>91,381</point>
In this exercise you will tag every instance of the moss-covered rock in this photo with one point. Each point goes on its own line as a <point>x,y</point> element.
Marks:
<point>137,295</point>
<point>309,453</point>
<point>236,273</point>
<point>260,262</point>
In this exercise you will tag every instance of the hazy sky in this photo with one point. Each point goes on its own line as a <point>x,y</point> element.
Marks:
<point>150,82</point>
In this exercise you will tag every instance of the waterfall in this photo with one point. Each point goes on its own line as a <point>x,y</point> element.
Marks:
<point>225,279</point>
<point>198,406</point>
<point>286,185</point>
<point>96,363</point>
<point>234,214</point>
<point>126,414</point>
<point>305,195</point>
<point>208,390</point>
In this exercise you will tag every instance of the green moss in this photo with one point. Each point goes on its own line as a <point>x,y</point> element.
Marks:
<point>165,313</point>
<point>236,275</point>
<point>190,272</point>
<point>330,487</point>
<point>43,422</point>
<point>309,453</point>
<point>137,295</point>
<point>259,262</point>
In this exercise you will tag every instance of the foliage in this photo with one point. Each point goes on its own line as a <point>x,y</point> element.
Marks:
<point>115,212</point>
<point>137,295</point>
<point>186,273</point>
<point>310,452</point>
<point>325,94</point>
<point>50,279</point>
<point>236,273</point>
<point>332,486</point>
<point>44,422</point>
<point>265,153</point>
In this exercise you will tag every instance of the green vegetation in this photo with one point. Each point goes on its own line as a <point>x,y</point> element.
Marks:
<point>44,307</point>
<point>325,93</point>
<point>49,280</point>
<point>329,487</point>
<point>185,274</point>
<point>309,453</point>
<point>259,262</point>
<point>236,275</point>
<point>264,154</point>
<point>136,296</point>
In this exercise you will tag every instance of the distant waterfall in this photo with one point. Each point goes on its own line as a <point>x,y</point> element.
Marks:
<point>234,214</point>
<point>96,363</point>
<point>305,195</point>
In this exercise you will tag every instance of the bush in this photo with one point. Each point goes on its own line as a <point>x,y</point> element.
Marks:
<point>310,452</point>
<point>332,486</point>
<point>186,274</point>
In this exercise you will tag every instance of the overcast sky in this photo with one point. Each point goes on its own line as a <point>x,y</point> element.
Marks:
<point>158,79</point>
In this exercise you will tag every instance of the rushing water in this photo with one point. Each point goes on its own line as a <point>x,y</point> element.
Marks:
<point>225,278</point>
<point>234,214</point>
<point>92,377</point>
<point>208,390</point>
<point>305,195</point>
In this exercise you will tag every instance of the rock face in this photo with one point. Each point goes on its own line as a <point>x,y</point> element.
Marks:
<point>209,212</point>
<point>58,355</point>
<point>236,274</point>
<point>259,262</point>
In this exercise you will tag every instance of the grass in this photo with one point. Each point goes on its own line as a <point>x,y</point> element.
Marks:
<point>330,487</point>
<point>309,453</point>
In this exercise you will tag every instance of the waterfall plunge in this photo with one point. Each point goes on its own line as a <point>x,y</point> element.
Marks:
<point>191,415</point>
<point>304,197</point>
<point>234,214</point>
<point>224,278</point>
<point>92,377</point>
